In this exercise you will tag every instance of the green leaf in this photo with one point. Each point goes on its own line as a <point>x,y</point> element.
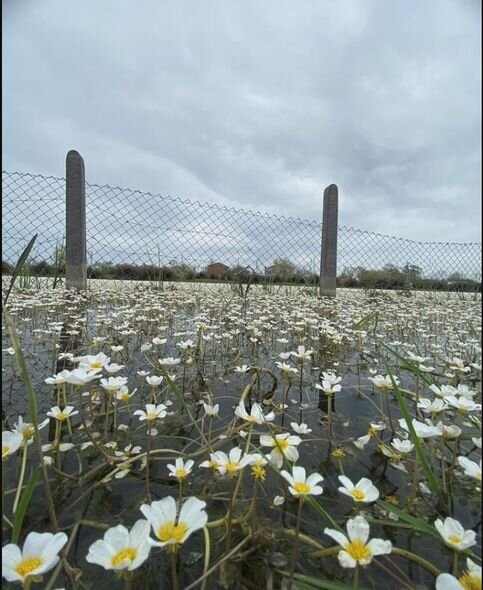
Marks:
<point>19,265</point>
<point>23,505</point>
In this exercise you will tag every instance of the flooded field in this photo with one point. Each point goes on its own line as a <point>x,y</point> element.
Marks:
<point>254,438</point>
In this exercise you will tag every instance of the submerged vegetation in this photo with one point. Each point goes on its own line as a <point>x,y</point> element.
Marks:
<point>201,436</point>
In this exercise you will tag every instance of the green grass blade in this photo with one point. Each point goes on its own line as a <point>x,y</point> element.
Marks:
<point>312,502</point>
<point>23,505</point>
<point>19,266</point>
<point>309,582</point>
<point>428,472</point>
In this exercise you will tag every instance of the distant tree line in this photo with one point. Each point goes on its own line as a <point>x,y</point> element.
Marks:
<point>281,271</point>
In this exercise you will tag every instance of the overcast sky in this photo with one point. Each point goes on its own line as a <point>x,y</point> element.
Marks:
<point>258,104</point>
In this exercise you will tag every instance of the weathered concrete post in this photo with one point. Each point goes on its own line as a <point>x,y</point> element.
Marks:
<point>75,227</point>
<point>328,250</point>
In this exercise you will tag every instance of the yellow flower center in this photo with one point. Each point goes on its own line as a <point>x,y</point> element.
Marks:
<point>181,472</point>
<point>96,365</point>
<point>213,464</point>
<point>124,396</point>
<point>128,553</point>
<point>259,472</point>
<point>478,474</point>
<point>5,451</point>
<point>338,453</point>
<point>232,467</point>
<point>151,416</point>
<point>454,539</point>
<point>357,494</point>
<point>282,443</point>
<point>372,431</point>
<point>470,582</point>
<point>28,431</point>
<point>27,565</point>
<point>392,500</point>
<point>62,416</point>
<point>358,550</point>
<point>301,487</point>
<point>170,532</point>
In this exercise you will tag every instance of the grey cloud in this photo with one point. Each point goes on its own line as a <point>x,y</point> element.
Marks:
<point>258,105</point>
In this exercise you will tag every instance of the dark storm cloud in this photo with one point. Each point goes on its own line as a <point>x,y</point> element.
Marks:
<point>258,105</point>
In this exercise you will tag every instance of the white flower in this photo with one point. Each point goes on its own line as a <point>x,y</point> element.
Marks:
<point>463,404</point>
<point>113,384</point>
<point>231,463</point>
<point>362,441</point>
<point>113,368</point>
<point>169,362</point>
<point>331,377</point>
<point>242,369</point>
<point>156,341</point>
<point>432,406</point>
<point>450,431</point>
<point>402,446</point>
<point>302,354</point>
<point>57,379</point>
<point>93,362</point>
<point>355,548</point>
<point>121,549</point>
<point>286,369</point>
<point>443,391</point>
<point>170,529</point>
<point>470,580</point>
<point>26,429</point>
<point>454,535</point>
<point>81,375</point>
<point>11,442</point>
<point>39,555</point>
<point>384,383</point>
<point>363,491</point>
<point>181,469</point>
<point>327,387</point>
<point>117,348</point>
<point>471,468</point>
<point>152,412</point>
<point>256,415</point>
<point>123,393</point>
<point>278,500</point>
<point>283,445</point>
<point>422,430</point>
<point>300,485</point>
<point>61,415</point>
<point>476,441</point>
<point>300,428</point>
<point>211,410</point>
<point>154,380</point>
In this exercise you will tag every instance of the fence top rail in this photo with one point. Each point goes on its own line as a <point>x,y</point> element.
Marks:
<point>186,202</point>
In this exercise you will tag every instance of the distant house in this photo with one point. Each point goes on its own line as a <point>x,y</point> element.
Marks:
<point>217,270</point>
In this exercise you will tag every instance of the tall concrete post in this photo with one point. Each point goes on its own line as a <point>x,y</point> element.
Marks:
<point>328,251</point>
<point>75,229</point>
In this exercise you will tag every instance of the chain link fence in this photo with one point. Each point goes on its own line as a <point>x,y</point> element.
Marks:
<point>129,230</point>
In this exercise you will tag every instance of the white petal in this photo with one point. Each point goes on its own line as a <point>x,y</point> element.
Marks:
<point>380,547</point>
<point>338,537</point>
<point>346,560</point>
<point>358,528</point>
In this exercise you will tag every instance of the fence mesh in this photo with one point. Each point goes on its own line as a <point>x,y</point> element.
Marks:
<point>130,227</point>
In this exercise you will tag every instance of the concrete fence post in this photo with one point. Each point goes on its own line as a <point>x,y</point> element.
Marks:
<point>75,227</point>
<point>328,250</point>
